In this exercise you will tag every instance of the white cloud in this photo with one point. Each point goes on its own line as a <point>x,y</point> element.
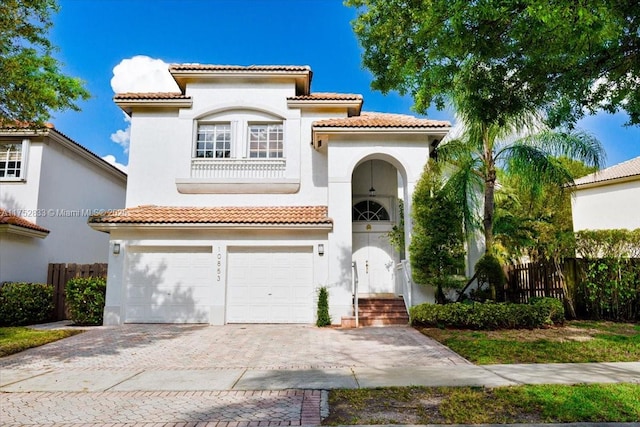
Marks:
<point>123,136</point>
<point>142,74</point>
<point>109,158</point>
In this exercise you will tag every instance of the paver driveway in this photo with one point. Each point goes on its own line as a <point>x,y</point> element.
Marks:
<point>225,376</point>
<point>236,346</point>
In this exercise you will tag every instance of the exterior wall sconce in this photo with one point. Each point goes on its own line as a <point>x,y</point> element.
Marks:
<point>116,248</point>
<point>321,249</point>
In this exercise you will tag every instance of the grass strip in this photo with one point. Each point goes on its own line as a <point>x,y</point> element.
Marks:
<point>16,339</point>
<point>578,342</point>
<point>474,405</point>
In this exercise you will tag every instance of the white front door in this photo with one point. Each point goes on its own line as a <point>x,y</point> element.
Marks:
<point>374,257</point>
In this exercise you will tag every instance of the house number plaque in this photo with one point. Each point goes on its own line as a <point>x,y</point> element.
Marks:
<point>218,265</point>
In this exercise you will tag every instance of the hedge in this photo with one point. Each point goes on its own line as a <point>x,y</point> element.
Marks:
<point>538,313</point>
<point>25,303</point>
<point>85,299</point>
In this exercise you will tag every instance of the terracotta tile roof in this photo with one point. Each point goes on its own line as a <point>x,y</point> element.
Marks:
<point>8,218</point>
<point>622,170</point>
<point>327,96</point>
<point>280,215</point>
<point>382,120</point>
<point>132,96</point>
<point>240,68</point>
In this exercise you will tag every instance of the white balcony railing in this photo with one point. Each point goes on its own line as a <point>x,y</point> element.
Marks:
<point>238,168</point>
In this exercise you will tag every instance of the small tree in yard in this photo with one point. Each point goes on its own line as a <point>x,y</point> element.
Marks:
<point>437,244</point>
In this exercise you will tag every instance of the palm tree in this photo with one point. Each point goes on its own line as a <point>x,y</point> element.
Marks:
<point>522,146</point>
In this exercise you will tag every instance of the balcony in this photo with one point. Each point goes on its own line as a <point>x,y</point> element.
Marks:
<point>238,176</point>
<point>237,168</point>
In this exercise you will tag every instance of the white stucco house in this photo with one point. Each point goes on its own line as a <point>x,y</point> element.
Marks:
<point>608,199</point>
<point>49,186</point>
<point>247,192</point>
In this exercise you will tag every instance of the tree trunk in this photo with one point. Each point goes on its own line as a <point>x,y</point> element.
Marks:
<point>489,190</point>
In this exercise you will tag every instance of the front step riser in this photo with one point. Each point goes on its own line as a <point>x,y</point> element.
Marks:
<point>378,312</point>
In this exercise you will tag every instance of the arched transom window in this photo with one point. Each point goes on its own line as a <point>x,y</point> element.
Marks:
<point>368,210</point>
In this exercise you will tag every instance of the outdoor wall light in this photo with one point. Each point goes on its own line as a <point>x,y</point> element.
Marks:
<point>320,249</point>
<point>116,248</point>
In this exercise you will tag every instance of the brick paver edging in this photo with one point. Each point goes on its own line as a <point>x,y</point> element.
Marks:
<point>163,408</point>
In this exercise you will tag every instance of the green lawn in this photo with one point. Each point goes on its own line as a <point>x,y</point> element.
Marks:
<point>16,339</point>
<point>575,342</point>
<point>475,405</point>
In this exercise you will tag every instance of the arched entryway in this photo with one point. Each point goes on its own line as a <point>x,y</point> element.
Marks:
<point>374,192</point>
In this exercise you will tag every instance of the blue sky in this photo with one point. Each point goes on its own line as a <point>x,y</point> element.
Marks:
<point>96,35</point>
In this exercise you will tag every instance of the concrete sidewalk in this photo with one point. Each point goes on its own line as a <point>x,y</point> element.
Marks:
<point>211,379</point>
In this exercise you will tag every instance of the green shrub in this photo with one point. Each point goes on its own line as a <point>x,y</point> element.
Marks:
<point>489,315</point>
<point>85,299</point>
<point>25,303</point>
<point>323,308</point>
<point>553,309</point>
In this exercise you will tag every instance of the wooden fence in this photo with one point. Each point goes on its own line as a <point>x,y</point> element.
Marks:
<point>59,274</point>
<point>530,280</point>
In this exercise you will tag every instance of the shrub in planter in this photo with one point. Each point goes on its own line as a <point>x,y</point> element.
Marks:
<point>323,308</point>
<point>489,315</point>
<point>25,303</point>
<point>85,299</point>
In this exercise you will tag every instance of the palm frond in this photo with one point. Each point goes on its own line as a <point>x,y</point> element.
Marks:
<point>464,187</point>
<point>534,167</point>
<point>576,145</point>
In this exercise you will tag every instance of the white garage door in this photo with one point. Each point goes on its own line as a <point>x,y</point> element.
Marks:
<point>270,285</point>
<point>168,284</point>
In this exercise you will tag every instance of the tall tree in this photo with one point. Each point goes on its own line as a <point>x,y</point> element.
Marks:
<point>523,147</point>
<point>507,56</point>
<point>31,82</point>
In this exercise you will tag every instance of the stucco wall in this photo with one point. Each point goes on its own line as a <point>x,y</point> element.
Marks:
<point>162,146</point>
<point>62,190</point>
<point>607,207</point>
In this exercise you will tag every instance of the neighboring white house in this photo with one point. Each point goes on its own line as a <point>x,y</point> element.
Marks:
<point>608,199</point>
<point>49,186</point>
<point>247,192</point>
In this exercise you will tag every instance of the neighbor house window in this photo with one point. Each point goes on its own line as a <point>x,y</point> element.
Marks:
<point>265,141</point>
<point>214,141</point>
<point>11,161</point>
<point>368,210</point>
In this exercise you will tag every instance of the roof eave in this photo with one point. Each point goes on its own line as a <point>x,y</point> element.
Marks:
<point>108,227</point>
<point>302,78</point>
<point>602,183</point>
<point>127,105</point>
<point>23,231</point>
<point>353,107</point>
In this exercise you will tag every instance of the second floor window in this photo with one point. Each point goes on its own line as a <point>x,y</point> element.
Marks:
<point>214,141</point>
<point>11,161</point>
<point>265,141</point>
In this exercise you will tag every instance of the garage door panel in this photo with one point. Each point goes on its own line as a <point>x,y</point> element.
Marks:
<point>270,285</point>
<point>169,285</point>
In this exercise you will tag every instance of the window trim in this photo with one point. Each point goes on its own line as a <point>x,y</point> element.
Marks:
<point>24,161</point>
<point>194,152</point>
<point>269,150</point>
